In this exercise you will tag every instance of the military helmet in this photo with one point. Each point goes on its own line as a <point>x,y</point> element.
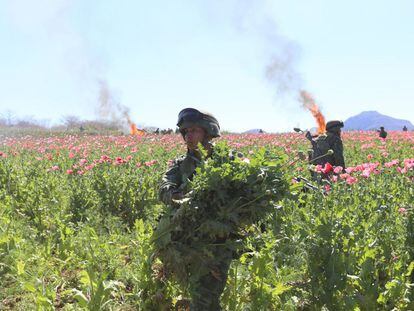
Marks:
<point>192,117</point>
<point>334,125</point>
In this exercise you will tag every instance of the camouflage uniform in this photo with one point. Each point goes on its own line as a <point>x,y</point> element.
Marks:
<point>206,291</point>
<point>337,158</point>
<point>177,176</point>
<point>382,132</point>
<point>205,294</point>
<point>331,140</point>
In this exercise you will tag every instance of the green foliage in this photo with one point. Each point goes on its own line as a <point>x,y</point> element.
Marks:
<point>83,240</point>
<point>228,196</point>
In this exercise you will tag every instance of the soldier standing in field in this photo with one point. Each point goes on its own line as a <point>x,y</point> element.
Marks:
<point>197,128</point>
<point>382,132</point>
<point>331,140</point>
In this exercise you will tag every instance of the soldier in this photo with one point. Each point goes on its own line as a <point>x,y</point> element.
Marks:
<point>325,142</point>
<point>382,132</point>
<point>197,128</point>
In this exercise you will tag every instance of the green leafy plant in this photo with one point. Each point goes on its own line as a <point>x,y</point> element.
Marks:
<point>228,196</point>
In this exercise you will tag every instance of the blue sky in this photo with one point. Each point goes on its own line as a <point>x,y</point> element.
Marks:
<point>158,57</point>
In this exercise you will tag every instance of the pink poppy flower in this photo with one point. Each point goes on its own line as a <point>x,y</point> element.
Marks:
<point>366,173</point>
<point>318,168</point>
<point>402,170</point>
<point>344,176</point>
<point>351,180</point>
<point>246,160</point>
<point>89,167</point>
<point>150,163</point>
<point>349,170</point>
<point>402,210</point>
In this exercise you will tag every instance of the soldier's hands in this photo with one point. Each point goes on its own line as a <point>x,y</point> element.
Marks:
<point>177,195</point>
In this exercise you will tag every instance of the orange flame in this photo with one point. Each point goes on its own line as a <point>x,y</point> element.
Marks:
<point>133,130</point>
<point>308,102</point>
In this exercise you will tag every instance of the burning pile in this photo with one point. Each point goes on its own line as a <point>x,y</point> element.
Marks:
<point>111,108</point>
<point>133,130</point>
<point>308,102</point>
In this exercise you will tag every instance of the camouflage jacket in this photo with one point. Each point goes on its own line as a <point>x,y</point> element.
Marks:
<point>335,142</point>
<point>177,176</point>
<point>382,134</point>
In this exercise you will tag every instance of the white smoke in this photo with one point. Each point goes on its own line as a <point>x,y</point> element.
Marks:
<point>49,23</point>
<point>280,54</point>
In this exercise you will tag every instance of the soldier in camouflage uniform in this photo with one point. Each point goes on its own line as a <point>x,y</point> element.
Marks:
<point>197,127</point>
<point>333,136</point>
<point>331,140</point>
<point>382,132</point>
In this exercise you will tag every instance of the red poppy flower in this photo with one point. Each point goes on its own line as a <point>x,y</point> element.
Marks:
<point>327,168</point>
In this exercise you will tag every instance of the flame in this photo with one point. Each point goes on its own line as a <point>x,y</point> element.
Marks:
<point>308,102</point>
<point>133,130</point>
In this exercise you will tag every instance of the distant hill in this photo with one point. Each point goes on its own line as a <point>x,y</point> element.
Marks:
<point>371,120</point>
<point>254,131</point>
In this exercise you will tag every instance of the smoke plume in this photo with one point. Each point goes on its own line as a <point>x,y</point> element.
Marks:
<point>281,72</point>
<point>281,68</point>
<point>50,23</point>
<point>109,106</point>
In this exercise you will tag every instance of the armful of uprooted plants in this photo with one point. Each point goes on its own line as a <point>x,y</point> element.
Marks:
<point>229,195</point>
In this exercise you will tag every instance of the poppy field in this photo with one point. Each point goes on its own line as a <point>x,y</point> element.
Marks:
<point>78,213</point>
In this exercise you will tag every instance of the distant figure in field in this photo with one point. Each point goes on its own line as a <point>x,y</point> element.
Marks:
<point>382,132</point>
<point>325,142</point>
<point>405,129</point>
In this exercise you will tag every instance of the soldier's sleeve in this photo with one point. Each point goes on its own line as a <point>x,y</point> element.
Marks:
<point>338,150</point>
<point>170,182</point>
